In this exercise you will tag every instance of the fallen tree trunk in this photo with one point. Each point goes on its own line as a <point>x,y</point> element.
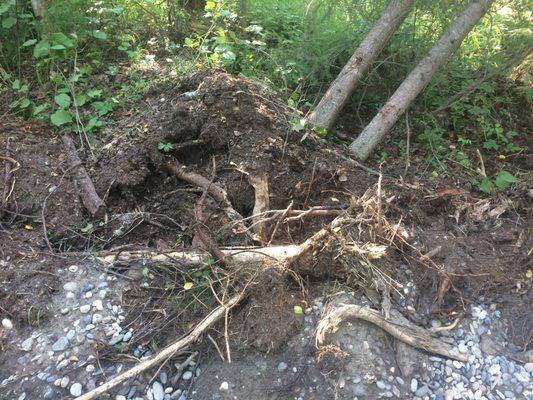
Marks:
<point>418,79</point>
<point>92,202</point>
<point>331,104</point>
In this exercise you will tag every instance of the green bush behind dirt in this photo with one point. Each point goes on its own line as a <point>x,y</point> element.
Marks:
<point>52,68</point>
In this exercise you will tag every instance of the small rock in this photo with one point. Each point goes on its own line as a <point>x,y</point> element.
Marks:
<point>359,390</point>
<point>116,339</point>
<point>529,367</point>
<point>85,308</point>
<point>75,389</point>
<point>163,377</point>
<point>495,369</point>
<point>22,360</point>
<point>187,375</point>
<point>120,397</point>
<point>422,391</point>
<point>98,305</point>
<point>462,348</point>
<point>127,336</point>
<point>414,385</point>
<point>97,318</point>
<point>158,391</point>
<point>73,268</point>
<point>61,344</point>
<point>70,287</point>
<point>90,327</point>
<point>90,368</point>
<point>88,287</point>
<point>7,324</point>
<point>64,382</point>
<point>282,366</point>
<point>27,344</point>
<point>64,311</point>
<point>381,385</point>
<point>224,386</point>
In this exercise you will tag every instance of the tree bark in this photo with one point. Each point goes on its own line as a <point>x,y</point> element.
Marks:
<point>92,202</point>
<point>418,79</point>
<point>340,90</point>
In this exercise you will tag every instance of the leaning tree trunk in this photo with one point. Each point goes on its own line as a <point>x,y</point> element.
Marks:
<point>418,79</point>
<point>340,90</point>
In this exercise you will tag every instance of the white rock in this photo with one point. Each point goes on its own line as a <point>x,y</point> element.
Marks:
<point>7,324</point>
<point>414,385</point>
<point>90,368</point>
<point>529,367</point>
<point>224,386</point>
<point>85,308</point>
<point>97,304</point>
<point>70,286</point>
<point>64,381</point>
<point>27,344</point>
<point>158,392</point>
<point>75,389</point>
<point>97,318</point>
<point>73,268</point>
<point>187,375</point>
<point>120,397</point>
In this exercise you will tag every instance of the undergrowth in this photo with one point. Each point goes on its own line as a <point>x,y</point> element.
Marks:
<point>85,59</point>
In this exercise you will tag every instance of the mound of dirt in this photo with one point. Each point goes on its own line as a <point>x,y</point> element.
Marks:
<point>238,125</point>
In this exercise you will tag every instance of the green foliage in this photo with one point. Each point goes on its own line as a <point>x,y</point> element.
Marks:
<point>165,147</point>
<point>82,62</point>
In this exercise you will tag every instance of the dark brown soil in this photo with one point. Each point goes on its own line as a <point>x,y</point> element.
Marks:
<point>485,242</point>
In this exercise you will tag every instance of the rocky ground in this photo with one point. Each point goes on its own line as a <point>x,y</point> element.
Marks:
<point>59,358</point>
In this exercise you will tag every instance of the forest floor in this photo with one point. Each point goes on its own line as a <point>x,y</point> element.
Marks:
<point>445,257</point>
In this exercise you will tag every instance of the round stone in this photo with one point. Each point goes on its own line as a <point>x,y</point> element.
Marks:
<point>85,308</point>
<point>75,389</point>
<point>64,382</point>
<point>73,268</point>
<point>224,386</point>
<point>187,375</point>
<point>60,344</point>
<point>414,385</point>
<point>158,391</point>
<point>282,366</point>
<point>7,324</point>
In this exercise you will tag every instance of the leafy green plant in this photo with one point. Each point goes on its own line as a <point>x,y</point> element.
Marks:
<point>165,147</point>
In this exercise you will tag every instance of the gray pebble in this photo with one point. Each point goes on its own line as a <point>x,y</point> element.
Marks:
<point>60,344</point>
<point>282,366</point>
<point>187,375</point>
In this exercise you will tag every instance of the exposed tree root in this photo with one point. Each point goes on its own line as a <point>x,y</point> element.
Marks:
<point>395,325</point>
<point>214,190</point>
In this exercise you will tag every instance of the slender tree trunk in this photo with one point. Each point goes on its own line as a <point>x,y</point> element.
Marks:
<point>418,79</point>
<point>340,90</point>
<point>243,7</point>
<point>39,8</point>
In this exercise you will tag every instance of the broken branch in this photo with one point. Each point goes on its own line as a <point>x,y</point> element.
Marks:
<point>92,202</point>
